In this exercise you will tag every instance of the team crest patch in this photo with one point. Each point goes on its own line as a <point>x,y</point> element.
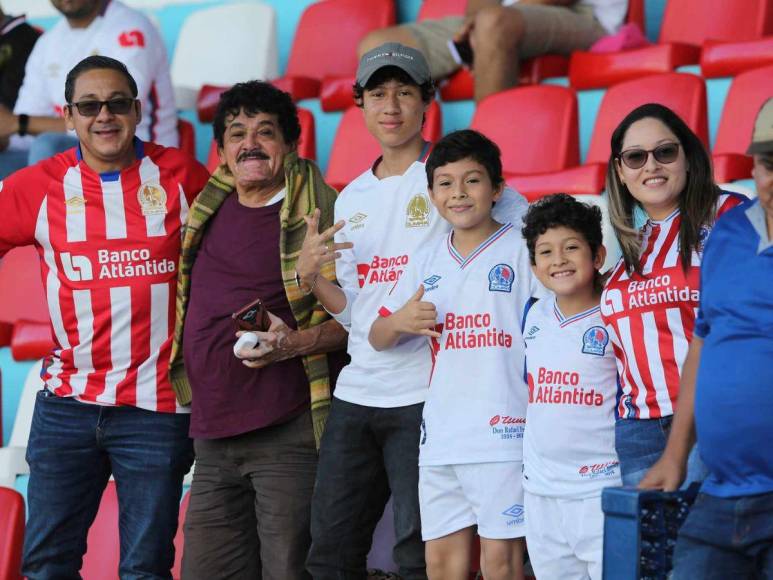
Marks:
<point>417,213</point>
<point>595,341</point>
<point>152,198</point>
<point>75,204</point>
<point>703,236</point>
<point>500,278</point>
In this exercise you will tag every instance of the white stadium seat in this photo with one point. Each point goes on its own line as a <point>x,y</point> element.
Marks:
<point>12,461</point>
<point>222,46</point>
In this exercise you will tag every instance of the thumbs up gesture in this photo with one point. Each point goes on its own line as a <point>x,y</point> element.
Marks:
<point>417,316</point>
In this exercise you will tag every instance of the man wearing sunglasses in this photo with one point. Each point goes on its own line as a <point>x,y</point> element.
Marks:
<point>105,27</point>
<point>105,218</point>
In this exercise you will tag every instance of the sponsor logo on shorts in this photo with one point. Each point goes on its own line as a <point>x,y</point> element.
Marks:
<point>515,513</point>
<point>595,340</point>
<point>599,470</point>
<point>500,278</point>
<point>507,427</point>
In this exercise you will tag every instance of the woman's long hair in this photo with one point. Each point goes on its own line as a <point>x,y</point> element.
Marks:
<point>697,201</point>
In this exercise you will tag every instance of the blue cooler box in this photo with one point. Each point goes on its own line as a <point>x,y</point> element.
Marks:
<point>640,528</point>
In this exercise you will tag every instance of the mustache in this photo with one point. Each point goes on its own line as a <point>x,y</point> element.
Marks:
<point>253,154</point>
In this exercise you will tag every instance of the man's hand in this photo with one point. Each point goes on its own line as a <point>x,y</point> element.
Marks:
<point>274,345</point>
<point>667,474</point>
<point>416,316</point>
<point>9,123</point>
<point>318,249</point>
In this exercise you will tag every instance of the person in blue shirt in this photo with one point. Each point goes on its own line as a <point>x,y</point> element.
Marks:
<point>725,397</point>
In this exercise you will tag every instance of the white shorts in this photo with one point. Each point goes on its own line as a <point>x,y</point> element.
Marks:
<point>489,495</point>
<point>565,537</point>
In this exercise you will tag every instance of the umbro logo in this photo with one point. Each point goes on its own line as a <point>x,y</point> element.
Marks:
<point>532,333</point>
<point>516,512</point>
<point>431,282</point>
<point>357,221</point>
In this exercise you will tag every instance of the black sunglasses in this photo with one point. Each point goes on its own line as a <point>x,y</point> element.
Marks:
<point>120,106</point>
<point>636,158</point>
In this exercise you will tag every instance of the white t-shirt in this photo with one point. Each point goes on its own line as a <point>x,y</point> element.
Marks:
<point>609,13</point>
<point>388,220</point>
<point>569,448</point>
<point>121,33</point>
<point>476,406</point>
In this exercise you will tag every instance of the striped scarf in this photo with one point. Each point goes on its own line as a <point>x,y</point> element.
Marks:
<point>305,191</point>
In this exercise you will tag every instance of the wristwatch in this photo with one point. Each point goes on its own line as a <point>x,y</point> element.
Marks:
<point>24,123</point>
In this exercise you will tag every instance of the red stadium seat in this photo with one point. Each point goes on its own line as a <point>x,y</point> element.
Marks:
<point>354,148</point>
<point>314,59</point>
<point>727,59</point>
<point>21,289</point>
<point>187,137</point>
<point>434,9</point>
<point>744,99</point>
<point>684,93</point>
<point>103,552</point>
<point>11,533</point>
<point>307,145</point>
<point>535,127</point>
<point>687,24</point>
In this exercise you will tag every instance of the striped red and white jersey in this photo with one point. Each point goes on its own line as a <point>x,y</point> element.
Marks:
<point>650,317</point>
<point>109,246</point>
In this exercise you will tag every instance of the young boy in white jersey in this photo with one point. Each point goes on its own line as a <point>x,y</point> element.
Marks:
<point>466,290</point>
<point>569,447</point>
<point>383,218</point>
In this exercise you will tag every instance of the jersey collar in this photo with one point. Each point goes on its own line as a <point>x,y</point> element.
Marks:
<point>463,262</point>
<point>139,153</point>
<point>564,321</point>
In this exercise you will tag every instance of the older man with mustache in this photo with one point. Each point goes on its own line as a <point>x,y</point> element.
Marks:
<point>256,419</point>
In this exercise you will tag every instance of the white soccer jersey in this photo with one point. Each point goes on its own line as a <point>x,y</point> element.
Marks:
<point>387,220</point>
<point>119,32</point>
<point>476,405</point>
<point>109,246</point>
<point>569,448</point>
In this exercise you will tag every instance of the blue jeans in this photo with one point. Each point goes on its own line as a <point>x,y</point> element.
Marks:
<point>12,160</point>
<point>366,452</point>
<point>73,448</point>
<point>640,443</point>
<point>47,145</point>
<point>726,538</point>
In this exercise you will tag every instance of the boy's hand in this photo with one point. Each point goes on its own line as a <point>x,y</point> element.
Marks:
<point>317,250</point>
<point>416,316</point>
<point>667,474</point>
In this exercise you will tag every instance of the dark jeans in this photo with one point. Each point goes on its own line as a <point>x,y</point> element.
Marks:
<point>640,443</point>
<point>366,453</point>
<point>73,449</point>
<point>250,504</point>
<point>724,538</point>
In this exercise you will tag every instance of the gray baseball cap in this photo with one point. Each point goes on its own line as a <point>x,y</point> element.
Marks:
<point>762,137</point>
<point>393,54</point>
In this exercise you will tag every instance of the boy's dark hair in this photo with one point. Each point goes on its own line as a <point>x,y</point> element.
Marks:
<point>92,63</point>
<point>392,73</point>
<point>462,145</point>
<point>559,210</point>
<point>255,97</point>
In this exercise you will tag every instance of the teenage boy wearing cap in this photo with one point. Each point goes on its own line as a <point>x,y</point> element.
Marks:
<point>725,395</point>
<point>371,441</point>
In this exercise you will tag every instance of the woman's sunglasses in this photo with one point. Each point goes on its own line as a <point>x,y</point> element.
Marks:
<point>636,158</point>
<point>120,106</point>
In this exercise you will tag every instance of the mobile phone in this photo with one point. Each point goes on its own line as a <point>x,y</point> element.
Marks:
<point>461,52</point>
<point>253,316</point>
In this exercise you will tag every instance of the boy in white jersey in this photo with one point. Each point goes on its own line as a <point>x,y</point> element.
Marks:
<point>473,284</point>
<point>569,447</point>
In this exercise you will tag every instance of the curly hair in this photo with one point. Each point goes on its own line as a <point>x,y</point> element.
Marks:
<point>255,97</point>
<point>559,210</point>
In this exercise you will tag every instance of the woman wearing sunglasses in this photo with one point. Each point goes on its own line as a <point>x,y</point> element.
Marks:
<point>659,166</point>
